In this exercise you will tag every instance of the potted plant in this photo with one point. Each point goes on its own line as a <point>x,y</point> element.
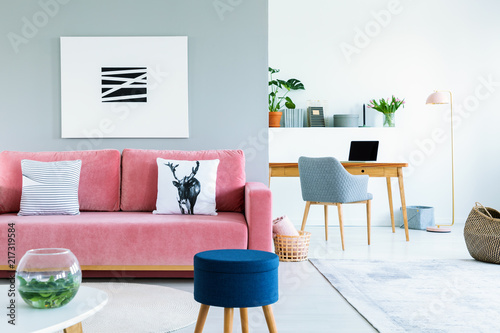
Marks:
<point>275,101</point>
<point>388,108</point>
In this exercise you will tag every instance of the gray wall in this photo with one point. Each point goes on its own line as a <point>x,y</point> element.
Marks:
<point>227,45</point>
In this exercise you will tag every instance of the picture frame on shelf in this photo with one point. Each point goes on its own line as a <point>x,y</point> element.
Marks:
<point>315,116</point>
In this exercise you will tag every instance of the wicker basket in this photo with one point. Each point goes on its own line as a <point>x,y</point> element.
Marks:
<point>292,248</point>
<point>482,234</point>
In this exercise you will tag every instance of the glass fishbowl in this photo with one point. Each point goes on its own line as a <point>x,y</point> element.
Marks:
<point>48,278</point>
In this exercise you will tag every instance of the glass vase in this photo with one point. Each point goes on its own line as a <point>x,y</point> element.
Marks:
<point>48,278</point>
<point>389,119</point>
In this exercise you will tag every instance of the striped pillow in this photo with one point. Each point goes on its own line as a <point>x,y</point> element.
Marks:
<point>50,188</point>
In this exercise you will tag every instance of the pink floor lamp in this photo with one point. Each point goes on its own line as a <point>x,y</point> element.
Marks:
<point>444,97</point>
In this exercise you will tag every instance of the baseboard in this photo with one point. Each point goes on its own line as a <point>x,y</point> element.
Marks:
<point>124,271</point>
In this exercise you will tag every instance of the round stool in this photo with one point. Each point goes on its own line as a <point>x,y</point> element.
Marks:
<point>236,279</point>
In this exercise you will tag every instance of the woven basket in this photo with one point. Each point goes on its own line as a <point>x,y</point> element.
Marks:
<point>292,248</point>
<point>482,234</point>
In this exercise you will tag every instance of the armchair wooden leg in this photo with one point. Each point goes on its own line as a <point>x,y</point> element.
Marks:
<point>202,317</point>
<point>228,320</point>
<point>368,217</point>
<point>341,224</point>
<point>326,222</point>
<point>244,320</point>
<point>306,212</point>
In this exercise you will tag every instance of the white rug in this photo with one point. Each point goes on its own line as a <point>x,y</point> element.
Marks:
<point>420,296</point>
<point>137,308</point>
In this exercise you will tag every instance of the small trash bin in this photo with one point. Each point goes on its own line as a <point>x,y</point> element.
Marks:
<point>419,217</point>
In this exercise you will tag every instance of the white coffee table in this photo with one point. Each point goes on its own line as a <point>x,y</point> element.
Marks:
<point>68,317</point>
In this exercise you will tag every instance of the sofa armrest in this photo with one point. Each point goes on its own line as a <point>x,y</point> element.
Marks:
<point>258,213</point>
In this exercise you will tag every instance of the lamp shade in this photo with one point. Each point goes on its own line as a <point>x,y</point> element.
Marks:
<point>438,97</point>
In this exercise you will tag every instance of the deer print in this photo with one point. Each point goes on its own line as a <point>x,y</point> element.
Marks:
<point>188,188</point>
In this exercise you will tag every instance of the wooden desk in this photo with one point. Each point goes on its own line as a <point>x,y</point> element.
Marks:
<point>387,170</point>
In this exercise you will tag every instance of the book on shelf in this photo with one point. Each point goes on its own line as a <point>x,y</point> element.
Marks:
<point>293,118</point>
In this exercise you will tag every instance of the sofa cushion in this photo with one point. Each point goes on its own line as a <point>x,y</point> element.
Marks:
<point>99,188</point>
<point>186,187</point>
<point>140,177</point>
<point>50,188</point>
<point>128,238</point>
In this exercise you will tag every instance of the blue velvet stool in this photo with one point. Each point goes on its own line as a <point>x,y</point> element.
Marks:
<point>236,279</point>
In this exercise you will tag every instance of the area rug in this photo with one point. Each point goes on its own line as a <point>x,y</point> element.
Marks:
<point>136,308</point>
<point>419,296</point>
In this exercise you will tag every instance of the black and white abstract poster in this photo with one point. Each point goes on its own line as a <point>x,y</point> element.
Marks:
<point>124,87</point>
<point>124,84</point>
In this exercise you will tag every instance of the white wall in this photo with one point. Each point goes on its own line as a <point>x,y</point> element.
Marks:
<point>347,53</point>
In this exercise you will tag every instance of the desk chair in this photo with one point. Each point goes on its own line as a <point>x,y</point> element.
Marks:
<point>324,181</point>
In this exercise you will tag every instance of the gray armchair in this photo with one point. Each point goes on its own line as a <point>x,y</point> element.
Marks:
<point>324,181</point>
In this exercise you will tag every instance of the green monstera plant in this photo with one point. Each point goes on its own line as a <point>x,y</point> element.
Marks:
<point>283,88</point>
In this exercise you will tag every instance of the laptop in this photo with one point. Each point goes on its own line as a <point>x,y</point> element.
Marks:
<point>363,151</point>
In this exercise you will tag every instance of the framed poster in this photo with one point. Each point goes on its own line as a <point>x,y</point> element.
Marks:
<point>124,87</point>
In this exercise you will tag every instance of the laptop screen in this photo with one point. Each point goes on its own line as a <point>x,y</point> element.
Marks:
<point>363,151</point>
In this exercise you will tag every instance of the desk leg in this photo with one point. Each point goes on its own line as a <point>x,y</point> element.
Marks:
<point>403,202</point>
<point>77,328</point>
<point>391,208</point>
<point>270,170</point>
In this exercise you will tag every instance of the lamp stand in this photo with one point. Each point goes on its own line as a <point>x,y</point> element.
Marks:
<point>438,228</point>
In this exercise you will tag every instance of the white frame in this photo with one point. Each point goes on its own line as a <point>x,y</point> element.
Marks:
<point>85,115</point>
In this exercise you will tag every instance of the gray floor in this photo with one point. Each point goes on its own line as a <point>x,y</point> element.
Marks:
<point>308,303</point>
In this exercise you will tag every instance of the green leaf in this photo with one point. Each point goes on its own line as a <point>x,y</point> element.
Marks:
<point>272,70</point>
<point>289,104</point>
<point>281,84</point>
<point>295,84</point>
<point>22,281</point>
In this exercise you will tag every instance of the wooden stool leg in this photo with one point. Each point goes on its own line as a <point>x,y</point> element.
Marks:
<point>202,316</point>
<point>228,320</point>
<point>341,224</point>
<point>271,324</point>
<point>306,212</point>
<point>244,320</point>
<point>326,222</point>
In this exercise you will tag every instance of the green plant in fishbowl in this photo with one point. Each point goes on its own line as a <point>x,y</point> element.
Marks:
<point>52,293</point>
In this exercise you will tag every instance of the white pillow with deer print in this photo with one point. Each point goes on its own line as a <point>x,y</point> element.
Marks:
<point>186,187</point>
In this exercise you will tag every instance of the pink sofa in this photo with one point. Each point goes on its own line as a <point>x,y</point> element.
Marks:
<point>116,233</point>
